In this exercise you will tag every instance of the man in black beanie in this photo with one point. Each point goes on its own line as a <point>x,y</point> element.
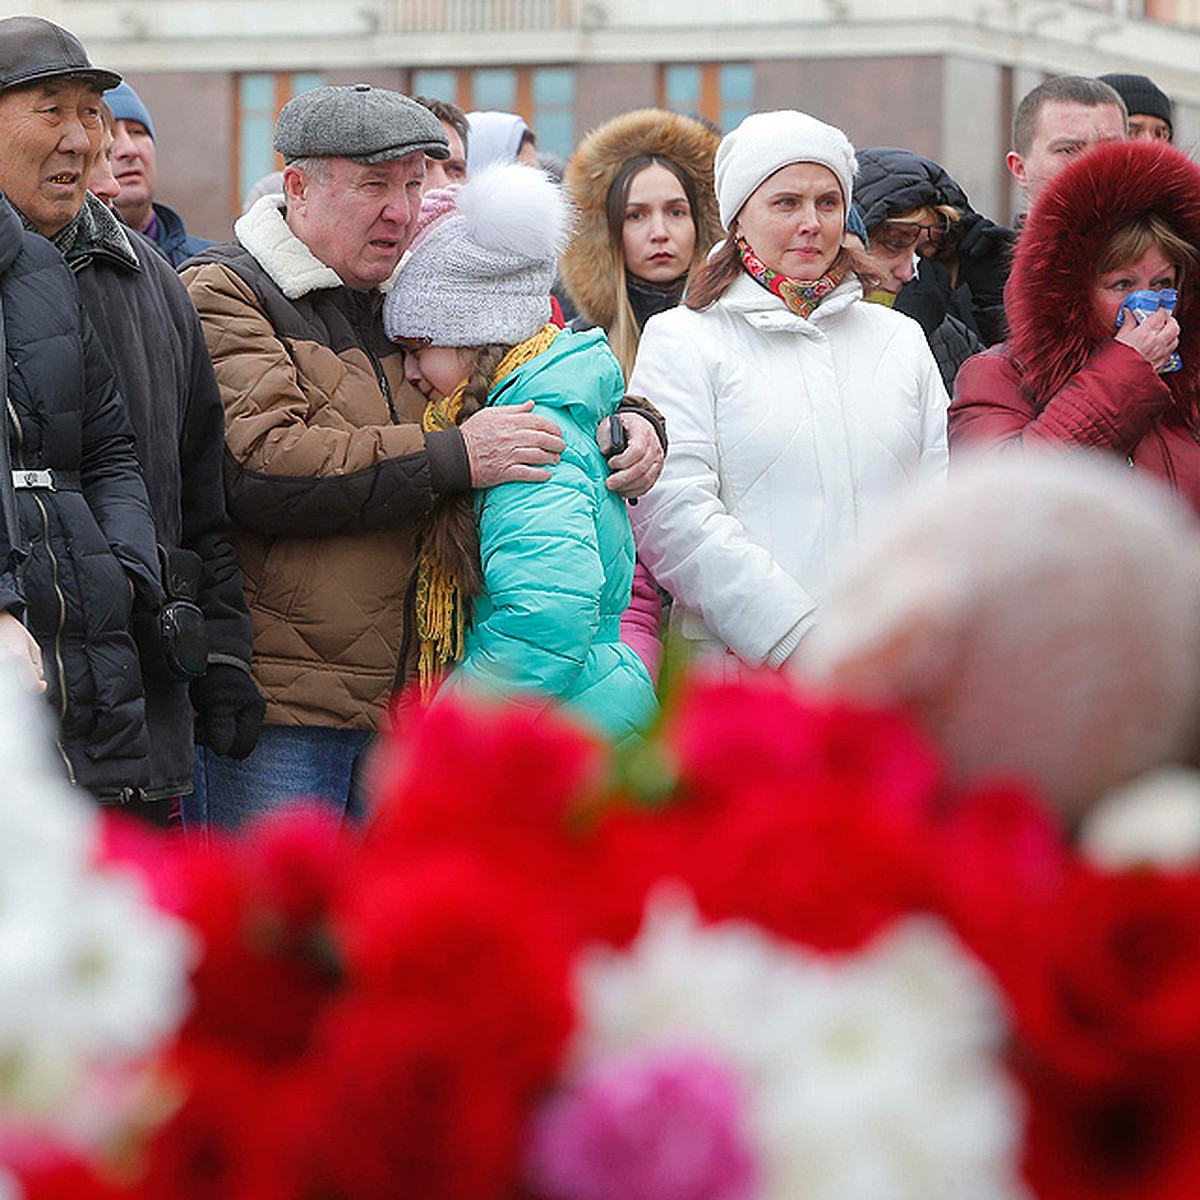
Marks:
<point>1149,107</point>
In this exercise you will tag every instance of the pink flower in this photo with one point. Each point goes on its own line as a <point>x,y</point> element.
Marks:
<point>651,1125</point>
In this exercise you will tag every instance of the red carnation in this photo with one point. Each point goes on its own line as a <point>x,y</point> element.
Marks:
<point>1119,989</point>
<point>1138,1140</point>
<point>443,936</point>
<point>1001,867</point>
<point>260,905</point>
<point>233,1138</point>
<point>474,771</point>
<point>410,1111</point>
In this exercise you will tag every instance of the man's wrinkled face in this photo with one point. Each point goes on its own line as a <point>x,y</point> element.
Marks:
<point>356,217</point>
<point>50,135</point>
<point>1065,130</point>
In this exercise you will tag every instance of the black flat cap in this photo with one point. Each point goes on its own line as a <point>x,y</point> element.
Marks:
<point>363,123</point>
<point>33,50</point>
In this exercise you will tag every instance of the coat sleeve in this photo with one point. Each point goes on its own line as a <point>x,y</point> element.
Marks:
<point>1108,404</point>
<point>935,440</point>
<point>641,620</point>
<point>698,550</point>
<point>302,467</point>
<point>205,529</point>
<point>110,477</point>
<point>543,575</point>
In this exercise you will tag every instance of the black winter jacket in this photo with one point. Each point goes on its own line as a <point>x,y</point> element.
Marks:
<point>91,534</point>
<point>891,181</point>
<point>149,327</point>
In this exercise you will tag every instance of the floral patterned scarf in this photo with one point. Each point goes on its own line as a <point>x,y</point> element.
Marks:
<point>801,298</point>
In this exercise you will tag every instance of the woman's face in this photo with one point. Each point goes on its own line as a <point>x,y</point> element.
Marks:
<point>896,242</point>
<point>794,220</point>
<point>658,233</point>
<point>435,371</point>
<point>899,266</point>
<point>1152,272</point>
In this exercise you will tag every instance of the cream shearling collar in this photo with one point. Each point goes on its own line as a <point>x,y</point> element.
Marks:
<point>292,266</point>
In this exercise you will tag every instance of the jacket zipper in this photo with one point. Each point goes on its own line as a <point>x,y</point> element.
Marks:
<point>62,602</point>
<point>384,386</point>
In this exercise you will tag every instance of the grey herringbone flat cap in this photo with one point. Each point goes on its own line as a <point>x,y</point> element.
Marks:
<point>360,122</point>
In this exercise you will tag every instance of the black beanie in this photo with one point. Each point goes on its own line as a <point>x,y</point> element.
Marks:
<point>1142,96</point>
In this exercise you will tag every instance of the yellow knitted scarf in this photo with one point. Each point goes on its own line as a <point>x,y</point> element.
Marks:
<point>441,607</point>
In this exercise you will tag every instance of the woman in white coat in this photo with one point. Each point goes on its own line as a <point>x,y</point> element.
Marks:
<point>796,410</point>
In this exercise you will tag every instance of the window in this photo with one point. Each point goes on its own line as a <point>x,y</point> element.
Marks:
<point>554,109</point>
<point>719,92</point>
<point>543,96</point>
<point>681,89</point>
<point>259,99</point>
<point>735,85</point>
<point>494,89</point>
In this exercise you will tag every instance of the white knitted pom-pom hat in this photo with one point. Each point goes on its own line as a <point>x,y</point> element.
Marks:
<point>482,262</point>
<point>765,142</point>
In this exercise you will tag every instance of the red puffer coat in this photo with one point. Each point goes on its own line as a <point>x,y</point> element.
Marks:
<point>1061,377</point>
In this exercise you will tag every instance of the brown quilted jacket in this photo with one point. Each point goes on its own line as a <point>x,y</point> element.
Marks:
<point>328,474</point>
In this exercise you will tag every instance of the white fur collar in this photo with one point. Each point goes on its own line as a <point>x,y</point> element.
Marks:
<point>292,266</point>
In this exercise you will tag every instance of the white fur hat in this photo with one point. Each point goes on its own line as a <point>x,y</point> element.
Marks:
<point>482,261</point>
<point>765,142</point>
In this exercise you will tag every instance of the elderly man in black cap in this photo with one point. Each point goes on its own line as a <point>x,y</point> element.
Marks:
<point>50,134</point>
<point>331,473</point>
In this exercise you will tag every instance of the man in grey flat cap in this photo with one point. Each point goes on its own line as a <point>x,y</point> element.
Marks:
<point>329,473</point>
<point>50,135</point>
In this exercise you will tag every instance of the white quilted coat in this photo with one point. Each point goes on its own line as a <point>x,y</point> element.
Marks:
<point>788,438</point>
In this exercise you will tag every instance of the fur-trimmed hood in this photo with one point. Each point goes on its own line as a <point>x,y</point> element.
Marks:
<point>591,266</point>
<point>1048,298</point>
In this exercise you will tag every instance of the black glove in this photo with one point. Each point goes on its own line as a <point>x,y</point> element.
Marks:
<point>927,297</point>
<point>984,256</point>
<point>229,710</point>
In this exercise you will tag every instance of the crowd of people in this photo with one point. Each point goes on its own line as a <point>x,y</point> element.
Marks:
<point>433,421</point>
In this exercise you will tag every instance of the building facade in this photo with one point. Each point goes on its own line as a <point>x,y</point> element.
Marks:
<point>937,76</point>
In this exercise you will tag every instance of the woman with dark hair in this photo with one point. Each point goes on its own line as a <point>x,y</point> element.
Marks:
<point>643,186</point>
<point>1078,367</point>
<point>796,411</point>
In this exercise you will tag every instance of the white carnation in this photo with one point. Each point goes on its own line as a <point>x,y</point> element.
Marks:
<point>93,977</point>
<point>1155,821</point>
<point>874,1076</point>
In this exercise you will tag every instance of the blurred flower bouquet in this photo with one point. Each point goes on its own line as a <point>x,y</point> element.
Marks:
<point>766,955</point>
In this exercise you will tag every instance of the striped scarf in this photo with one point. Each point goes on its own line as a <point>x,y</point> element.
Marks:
<point>802,298</point>
<point>441,607</point>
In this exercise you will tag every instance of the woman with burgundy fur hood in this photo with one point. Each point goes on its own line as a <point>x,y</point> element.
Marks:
<point>1125,217</point>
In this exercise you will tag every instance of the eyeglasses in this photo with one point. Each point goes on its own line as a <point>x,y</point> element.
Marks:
<point>904,235</point>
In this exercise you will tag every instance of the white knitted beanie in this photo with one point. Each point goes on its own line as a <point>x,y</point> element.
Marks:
<point>482,261</point>
<point>765,142</point>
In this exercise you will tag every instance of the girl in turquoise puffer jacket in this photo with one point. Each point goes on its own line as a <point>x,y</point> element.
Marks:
<point>524,585</point>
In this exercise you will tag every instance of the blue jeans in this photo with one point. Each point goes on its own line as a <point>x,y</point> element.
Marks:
<point>290,764</point>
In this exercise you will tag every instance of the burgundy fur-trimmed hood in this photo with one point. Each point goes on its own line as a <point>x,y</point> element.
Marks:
<point>1048,298</point>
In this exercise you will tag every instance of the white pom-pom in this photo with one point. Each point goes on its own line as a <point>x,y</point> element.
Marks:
<point>514,209</point>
